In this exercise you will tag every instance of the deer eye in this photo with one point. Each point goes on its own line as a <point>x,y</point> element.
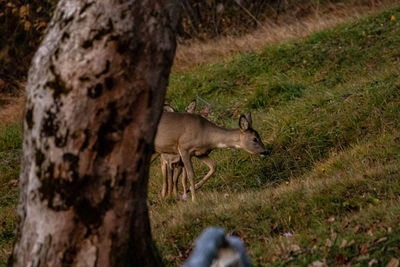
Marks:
<point>255,140</point>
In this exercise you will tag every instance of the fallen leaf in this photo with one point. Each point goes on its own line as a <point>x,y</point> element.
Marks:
<point>364,249</point>
<point>331,219</point>
<point>13,182</point>
<point>24,11</point>
<point>317,264</point>
<point>27,26</point>
<point>381,240</point>
<point>343,244</point>
<point>356,228</point>
<point>393,263</point>
<point>40,25</point>
<point>372,262</point>
<point>294,248</point>
<point>328,242</point>
<point>369,232</point>
<point>274,258</point>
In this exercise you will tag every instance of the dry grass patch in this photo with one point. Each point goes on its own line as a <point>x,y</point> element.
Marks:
<point>12,110</point>
<point>195,52</point>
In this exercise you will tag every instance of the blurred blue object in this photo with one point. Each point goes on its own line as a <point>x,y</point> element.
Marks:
<point>214,248</point>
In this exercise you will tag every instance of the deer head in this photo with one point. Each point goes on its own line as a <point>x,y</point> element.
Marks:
<point>250,140</point>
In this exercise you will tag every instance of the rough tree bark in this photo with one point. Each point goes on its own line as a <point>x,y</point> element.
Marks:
<point>94,97</point>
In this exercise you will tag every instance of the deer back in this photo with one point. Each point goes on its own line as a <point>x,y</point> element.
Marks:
<point>183,129</point>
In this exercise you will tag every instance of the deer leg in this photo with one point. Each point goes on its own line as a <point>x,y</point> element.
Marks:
<point>184,183</point>
<point>187,163</point>
<point>177,172</point>
<point>170,182</point>
<point>210,163</point>
<point>165,178</point>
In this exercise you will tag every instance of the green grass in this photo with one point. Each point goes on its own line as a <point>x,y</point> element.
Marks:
<point>356,187</point>
<point>304,111</point>
<point>10,153</point>
<point>328,107</point>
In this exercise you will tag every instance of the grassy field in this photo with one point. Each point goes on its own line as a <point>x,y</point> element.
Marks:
<point>10,153</point>
<point>328,108</point>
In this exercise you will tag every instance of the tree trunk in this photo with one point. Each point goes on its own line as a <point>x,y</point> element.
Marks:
<point>94,97</point>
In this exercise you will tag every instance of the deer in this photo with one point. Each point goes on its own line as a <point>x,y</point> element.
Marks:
<point>189,135</point>
<point>172,165</point>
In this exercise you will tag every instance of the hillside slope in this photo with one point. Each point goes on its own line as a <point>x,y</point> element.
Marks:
<point>328,106</point>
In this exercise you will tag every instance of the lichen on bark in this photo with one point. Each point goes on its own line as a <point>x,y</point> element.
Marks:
<point>94,97</point>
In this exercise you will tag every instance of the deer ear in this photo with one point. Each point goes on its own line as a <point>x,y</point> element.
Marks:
<point>249,119</point>
<point>168,108</point>
<point>191,107</point>
<point>243,123</point>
